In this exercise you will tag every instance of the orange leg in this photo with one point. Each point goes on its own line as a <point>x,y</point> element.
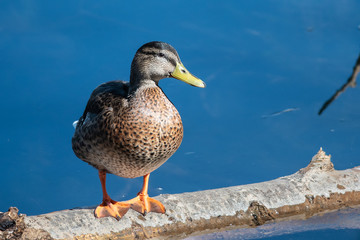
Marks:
<point>143,203</point>
<point>109,207</point>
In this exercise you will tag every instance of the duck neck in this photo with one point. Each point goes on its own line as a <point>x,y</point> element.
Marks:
<point>140,84</point>
<point>140,78</point>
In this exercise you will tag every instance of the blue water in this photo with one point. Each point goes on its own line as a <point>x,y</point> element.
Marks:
<point>341,224</point>
<point>328,234</point>
<point>256,57</point>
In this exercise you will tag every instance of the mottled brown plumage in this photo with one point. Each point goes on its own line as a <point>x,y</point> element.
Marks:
<point>131,129</point>
<point>128,136</point>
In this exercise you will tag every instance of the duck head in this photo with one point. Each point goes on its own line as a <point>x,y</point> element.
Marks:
<point>157,60</point>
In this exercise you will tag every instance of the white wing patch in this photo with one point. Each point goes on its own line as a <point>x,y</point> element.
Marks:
<point>75,123</point>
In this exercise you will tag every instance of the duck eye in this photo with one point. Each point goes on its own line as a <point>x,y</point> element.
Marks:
<point>161,55</point>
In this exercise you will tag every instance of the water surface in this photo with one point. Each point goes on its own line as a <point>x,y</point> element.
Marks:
<point>341,224</point>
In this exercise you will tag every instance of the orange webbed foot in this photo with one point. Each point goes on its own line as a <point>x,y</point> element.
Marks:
<point>145,204</point>
<point>112,209</point>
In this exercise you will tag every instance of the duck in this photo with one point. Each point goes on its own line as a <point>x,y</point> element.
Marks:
<point>130,129</point>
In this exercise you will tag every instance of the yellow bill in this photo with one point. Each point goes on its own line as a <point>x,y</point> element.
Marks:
<point>184,75</point>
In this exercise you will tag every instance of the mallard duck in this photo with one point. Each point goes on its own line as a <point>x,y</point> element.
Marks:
<point>129,129</point>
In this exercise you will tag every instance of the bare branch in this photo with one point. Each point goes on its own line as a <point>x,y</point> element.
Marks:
<point>351,82</point>
<point>315,188</point>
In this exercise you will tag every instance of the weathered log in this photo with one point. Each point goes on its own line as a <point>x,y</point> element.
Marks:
<point>315,188</point>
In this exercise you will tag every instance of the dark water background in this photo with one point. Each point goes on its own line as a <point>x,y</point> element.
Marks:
<point>256,57</point>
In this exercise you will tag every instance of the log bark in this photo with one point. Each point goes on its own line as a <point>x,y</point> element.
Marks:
<point>315,188</point>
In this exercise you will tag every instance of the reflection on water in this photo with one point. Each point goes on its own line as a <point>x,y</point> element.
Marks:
<point>256,59</point>
<point>341,224</point>
<point>281,112</point>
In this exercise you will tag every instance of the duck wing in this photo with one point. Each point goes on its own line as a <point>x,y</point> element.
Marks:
<point>108,96</point>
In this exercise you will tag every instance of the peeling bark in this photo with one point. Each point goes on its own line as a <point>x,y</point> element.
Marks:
<point>313,189</point>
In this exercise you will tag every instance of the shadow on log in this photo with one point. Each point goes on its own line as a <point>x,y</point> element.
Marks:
<point>315,188</point>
